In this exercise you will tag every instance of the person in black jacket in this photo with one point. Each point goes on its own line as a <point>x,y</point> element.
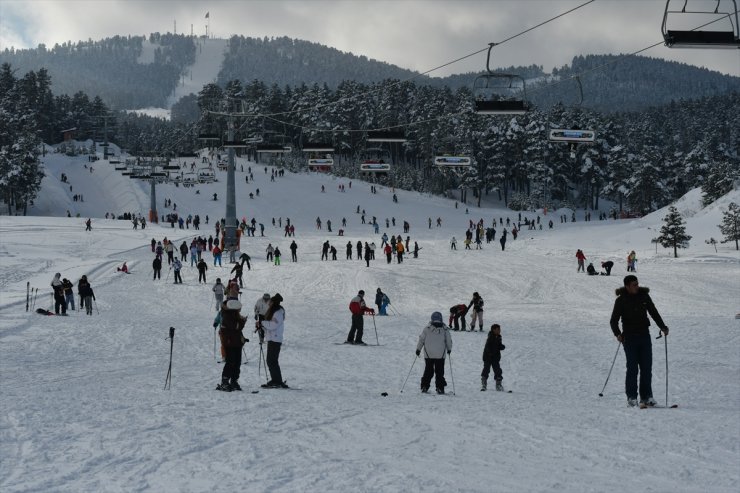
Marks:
<point>202,268</point>
<point>492,358</point>
<point>86,294</point>
<point>607,266</point>
<point>632,306</point>
<point>477,304</point>
<point>157,266</point>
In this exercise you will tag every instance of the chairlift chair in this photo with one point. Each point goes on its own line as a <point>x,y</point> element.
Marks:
<point>573,136</point>
<point>320,156</point>
<point>499,93</point>
<point>695,38</point>
<point>208,137</point>
<point>375,160</point>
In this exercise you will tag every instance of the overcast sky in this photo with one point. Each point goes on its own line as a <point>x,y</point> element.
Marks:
<point>410,33</point>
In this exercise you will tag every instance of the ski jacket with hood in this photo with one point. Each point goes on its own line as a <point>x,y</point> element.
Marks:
<point>493,348</point>
<point>219,289</point>
<point>633,310</point>
<point>477,304</point>
<point>260,308</point>
<point>435,339</point>
<point>274,328</point>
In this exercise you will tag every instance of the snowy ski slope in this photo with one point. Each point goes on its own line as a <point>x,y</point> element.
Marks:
<point>82,406</point>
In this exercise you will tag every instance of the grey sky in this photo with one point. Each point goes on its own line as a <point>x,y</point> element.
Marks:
<point>409,33</point>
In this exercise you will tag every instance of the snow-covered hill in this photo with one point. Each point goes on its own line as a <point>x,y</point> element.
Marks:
<point>83,408</point>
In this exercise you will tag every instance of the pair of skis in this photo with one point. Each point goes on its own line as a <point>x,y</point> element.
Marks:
<point>31,295</point>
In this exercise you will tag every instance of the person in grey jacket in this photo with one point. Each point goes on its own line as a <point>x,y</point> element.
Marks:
<point>435,339</point>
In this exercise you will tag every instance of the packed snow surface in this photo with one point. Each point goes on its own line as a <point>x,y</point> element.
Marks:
<point>83,406</point>
<point>209,55</point>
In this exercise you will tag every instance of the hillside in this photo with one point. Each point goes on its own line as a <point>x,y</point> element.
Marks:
<point>132,72</point>
<point>83,407</point>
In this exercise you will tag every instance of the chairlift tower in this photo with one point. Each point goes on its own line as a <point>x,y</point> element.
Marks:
<point>230,238</point>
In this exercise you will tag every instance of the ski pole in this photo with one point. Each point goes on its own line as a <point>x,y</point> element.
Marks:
<point>244,353</point>
<point>214,343</point>
<point>264,361</point>
<point>95,303</point>
<point>168,379</point>
<point>28,292</point>
<point>377,342</point>
<point>168,275</point>
<point>665,340</point>
<point>601,394</point>
<point>452,376</point>
<point>407,376</point>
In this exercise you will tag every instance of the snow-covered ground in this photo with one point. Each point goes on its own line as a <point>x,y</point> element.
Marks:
<point>83,409</point>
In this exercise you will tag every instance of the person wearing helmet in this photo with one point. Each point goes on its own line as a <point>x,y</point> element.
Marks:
<point>436,341</point>
<point>358,308</point>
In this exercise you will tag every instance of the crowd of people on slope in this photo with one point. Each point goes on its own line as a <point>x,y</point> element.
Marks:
<point>64,298</point>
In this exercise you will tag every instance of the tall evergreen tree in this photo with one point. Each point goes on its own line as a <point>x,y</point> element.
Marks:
<point>673,233</point>
<point>730,226</point>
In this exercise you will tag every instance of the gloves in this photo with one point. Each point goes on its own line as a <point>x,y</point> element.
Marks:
<point>620,338</point>
<point>418,352</point>
<point>665,330</point>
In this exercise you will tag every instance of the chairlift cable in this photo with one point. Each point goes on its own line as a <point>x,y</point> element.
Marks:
<point>464,112</point>
<point>415,76</point>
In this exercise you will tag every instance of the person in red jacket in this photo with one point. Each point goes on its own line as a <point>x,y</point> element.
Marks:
<point>388,252</point>
<point>457,313</point>
<point>581,261</point>
<point>358,309</point>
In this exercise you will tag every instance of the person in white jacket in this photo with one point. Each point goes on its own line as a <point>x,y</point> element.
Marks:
<point>435,340</point>
<point>273,325</point>
<point>260,310</point>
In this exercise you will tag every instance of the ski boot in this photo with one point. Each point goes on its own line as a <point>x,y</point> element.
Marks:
<point>440,390</point>
<point>235,385</point>
<point>499,386</point>
<point>650,402</point>
<point>631,402</point>
<point>424,390</point>
<point>483,384</point>
<point>224,385</point>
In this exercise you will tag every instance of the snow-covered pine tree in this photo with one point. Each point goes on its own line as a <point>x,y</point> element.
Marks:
<point>719,181</point>
<point>730,226</point>
<point>673,233</point>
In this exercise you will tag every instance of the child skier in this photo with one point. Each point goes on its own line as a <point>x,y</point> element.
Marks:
<point>492,358</point>
<point>435,340</point>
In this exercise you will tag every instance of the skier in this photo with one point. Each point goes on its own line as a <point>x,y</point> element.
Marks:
<point>492,358</point>
<point>123,268</point>
<point>184,251</point>
<point>86,294</point>
<point>358,309</point>
<point>388,252</point>
<point>216,256</point>
<point>218,291</point>
<point>244,258</point>
<point>435,339</point>
<point>591,270</point>
<point>399,252</point>
<point>177,267</point>
<point>349,250</point>
<point>277,255</point>
<point>607,266</point>
<point>477,304</point>
<point>325,250</point>
<point>453,244</point>
<point>157,266</point>
<point>202,268</point>
<point>238,271</point>
<point>273,326</point>
<point>632,306</point>
<point>502,240</point>
<point>293,250</point>
<point>379,301</point>
<point>333,252</point>
<point>270,251</point>
<point>369,254</point>
<point>232,323</point>
<point>69,294</point>
<point>457,315</point>
<point>581,260</point>
<point>88,224</point>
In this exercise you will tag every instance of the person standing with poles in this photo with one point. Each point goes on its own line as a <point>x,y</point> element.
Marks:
<point>176,268</point>
<point>358,308</point>
<point>273,326</point>
<point>632,306</point>
<point>435,339</point>
<point>218,292</point>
